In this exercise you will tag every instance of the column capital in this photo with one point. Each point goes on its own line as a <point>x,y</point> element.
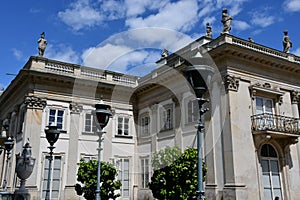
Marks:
<point>75,108</point>
<point>295,97</point>
<point>33,102</point>
<point>231,82</point>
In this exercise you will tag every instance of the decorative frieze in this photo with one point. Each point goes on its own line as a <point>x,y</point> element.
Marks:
<point>231,82</point>
<point>33,102</point>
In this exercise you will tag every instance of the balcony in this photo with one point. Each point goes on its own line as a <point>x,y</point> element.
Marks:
<point>276,126</point>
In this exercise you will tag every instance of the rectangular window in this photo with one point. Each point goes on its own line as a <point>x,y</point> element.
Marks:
<point>123,175</point>
<point>56,117</point>
<point>90,124</point>
<point>54,177</point>
<point>265,111</point>
<point>193,114</point>
<point>144,172</point>
<point>145,125</point>
<point>123,126</point>
<point>167,117</point>
<point>264,105</point>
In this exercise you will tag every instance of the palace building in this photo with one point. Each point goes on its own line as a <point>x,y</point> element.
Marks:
<point>250,144</point>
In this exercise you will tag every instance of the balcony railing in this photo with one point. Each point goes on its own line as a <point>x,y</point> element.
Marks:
<point>277,123</point>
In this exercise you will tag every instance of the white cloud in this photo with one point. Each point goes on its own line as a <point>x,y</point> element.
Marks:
<point>262,18</point>
<point>132,50</point>
<point>103,56</point>
<point>80,15</point>
<point>240,25</point>
<point>296,52</point>
<point>185,12</point>
<point>292,5</point>
<point>17,54</point>
<point>113,9</point>
<point>62,53</point>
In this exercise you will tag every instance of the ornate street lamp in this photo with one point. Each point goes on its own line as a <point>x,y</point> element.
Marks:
<point>199,76</point>
<point>102,114</point>
<point>52,135</point>
<point>8,146</point>
<point>24,168</point>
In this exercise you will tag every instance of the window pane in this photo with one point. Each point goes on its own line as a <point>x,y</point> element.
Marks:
<point>275,180</point>
<point>266,180</point>
<point>60,113</point>
<point>274,166</point>
<point>265,166</point>
<point>268,194</point>
<point>259,105</point>
<point>277,192</point>
<point>268,106</point>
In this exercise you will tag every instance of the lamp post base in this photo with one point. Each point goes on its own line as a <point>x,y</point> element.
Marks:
<point>5,195</point>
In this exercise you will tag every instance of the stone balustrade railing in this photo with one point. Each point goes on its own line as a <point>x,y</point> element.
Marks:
<point>253,46</point>
<point>52,66</point>
<point>270,122</point>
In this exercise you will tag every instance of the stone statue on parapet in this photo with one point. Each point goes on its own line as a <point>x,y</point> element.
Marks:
<point>165,53</point>
<point>226,20</point>
<point>42,44</point>
<point>208,30</point>
<point>250,39</point>
<point>287,44</point>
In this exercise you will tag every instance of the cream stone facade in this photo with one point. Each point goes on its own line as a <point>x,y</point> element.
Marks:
<point>251,135</point>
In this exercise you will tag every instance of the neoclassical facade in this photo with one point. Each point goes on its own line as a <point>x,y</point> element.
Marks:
<point>251,134</point>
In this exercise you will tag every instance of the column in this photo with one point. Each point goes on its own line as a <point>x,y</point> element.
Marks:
<point>75,129</point>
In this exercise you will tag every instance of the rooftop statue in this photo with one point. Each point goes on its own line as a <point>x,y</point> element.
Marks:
<point>226,20</point>
<point>165,53</point>
<point>287,44</point>
<point>208,30</point>
<point>42,44</point>
<point>250,39</point>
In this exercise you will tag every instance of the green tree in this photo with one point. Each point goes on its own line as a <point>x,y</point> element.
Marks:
<point>175,175</point>
<point>87,176</point>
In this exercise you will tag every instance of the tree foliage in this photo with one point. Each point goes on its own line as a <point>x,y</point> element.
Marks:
<point>175,175</point>
<point>87,176</point>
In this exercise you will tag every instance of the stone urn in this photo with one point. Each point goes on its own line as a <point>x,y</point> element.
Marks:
<point>24,167</point>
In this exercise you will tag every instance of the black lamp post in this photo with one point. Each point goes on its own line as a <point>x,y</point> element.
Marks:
<point>199,76</point>
<point>52,135</point>
<point>8,146</point>
<point>102,114</point>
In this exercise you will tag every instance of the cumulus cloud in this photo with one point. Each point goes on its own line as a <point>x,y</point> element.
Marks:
<point>291,5</point>
<point>81,14</point>
<point>62,53</point>
<point>134,51</point>
<point>185,12</point>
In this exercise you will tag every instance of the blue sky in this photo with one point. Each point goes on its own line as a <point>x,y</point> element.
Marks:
<point>116,34</point>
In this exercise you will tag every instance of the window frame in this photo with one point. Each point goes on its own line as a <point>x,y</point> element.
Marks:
<point>145,175</point>
<point>123,125</point>
<point>45,175</point>
<point>167,118</point>
<point>192,111</point>
<point>93,125</point>
<point>119,164</point>
<point>270,174</point>
<point>145,127</point>
<point>63,123</point>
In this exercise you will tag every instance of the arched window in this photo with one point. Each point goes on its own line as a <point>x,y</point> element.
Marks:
<point>270,170</point>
